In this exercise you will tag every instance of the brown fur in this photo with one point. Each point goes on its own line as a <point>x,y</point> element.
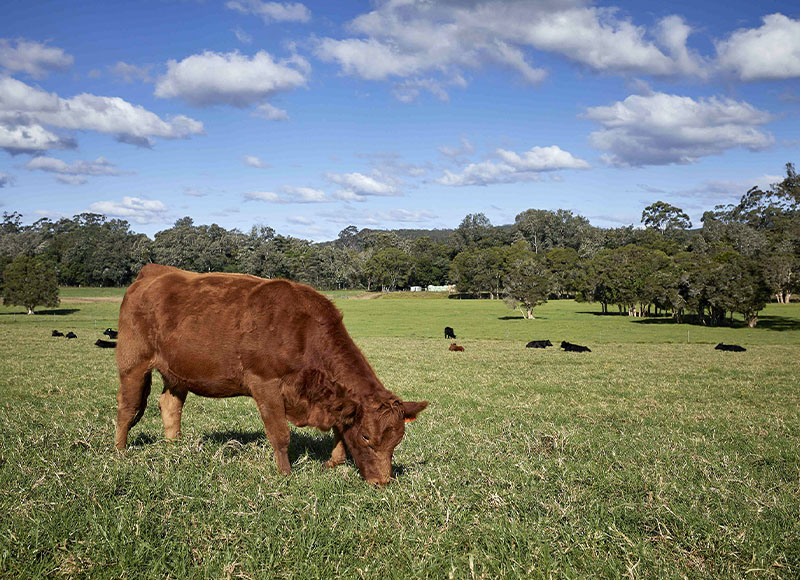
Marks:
<point>456,348</point>
<point>279,342</point>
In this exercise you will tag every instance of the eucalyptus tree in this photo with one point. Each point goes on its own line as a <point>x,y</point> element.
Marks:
<point>30,282</point>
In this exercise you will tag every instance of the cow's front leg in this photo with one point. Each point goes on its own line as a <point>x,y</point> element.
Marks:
<point>269,401</point>
<point>339,453</point>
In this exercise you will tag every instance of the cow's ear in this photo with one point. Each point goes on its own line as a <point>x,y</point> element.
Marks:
<point>412,408</point>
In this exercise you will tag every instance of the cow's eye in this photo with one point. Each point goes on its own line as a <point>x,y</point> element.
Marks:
<point>365,438</point>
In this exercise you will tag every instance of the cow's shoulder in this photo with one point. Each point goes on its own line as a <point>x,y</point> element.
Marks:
<point>294,296</point>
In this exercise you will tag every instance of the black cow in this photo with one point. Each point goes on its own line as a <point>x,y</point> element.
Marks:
<point>57,333</point>
<point>110,333</point>
<point>730,347</point>
<point>105,343</point>
<point>71,334</point>
<point>449,333</point>
<point>539,344</point>
<point>569,347</point>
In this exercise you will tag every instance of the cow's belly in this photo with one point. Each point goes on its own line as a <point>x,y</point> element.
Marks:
<point>207,375</point>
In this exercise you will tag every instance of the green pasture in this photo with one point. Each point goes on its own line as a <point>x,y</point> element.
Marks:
<point>649,457</point>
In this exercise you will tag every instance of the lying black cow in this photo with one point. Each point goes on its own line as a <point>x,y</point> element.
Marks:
<point>569,347</point>
<point>730,347</point>
<point>110,333</point>
<point>449,333</point>
<point>539,344</point>
<point>57,333</point>
<point>105,343</point>
<point>71,334</point>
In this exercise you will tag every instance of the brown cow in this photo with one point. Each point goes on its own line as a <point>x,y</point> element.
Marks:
<point>282,343</point>
<point>456,348</point>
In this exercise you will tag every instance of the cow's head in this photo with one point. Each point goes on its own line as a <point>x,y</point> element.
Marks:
<point>371,439</point>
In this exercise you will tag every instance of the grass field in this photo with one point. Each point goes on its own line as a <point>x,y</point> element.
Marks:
<point>650,457</point>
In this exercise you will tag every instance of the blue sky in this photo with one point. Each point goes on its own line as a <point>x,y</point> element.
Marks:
<point>309,117</point>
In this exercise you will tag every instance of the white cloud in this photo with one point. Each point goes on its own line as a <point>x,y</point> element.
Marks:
<point>300,220</point>
<point>540,159</point>
<point>464,148</point>
<point>272,11</point>
<point>271,113</point>
<point>97,167</point>
<point>242,36</point>
<point>514,167</point>
<point>6,179</point>
<point>380,218</point>
<point>232,79</point>
<point>253,161</point>
<point>421,44</point>
<point>262,196</point>
<point>32,57</point>
<point>661,129</point>
<point>355,186</point>
<point>129,73</point>
<point>25,111</point>
<point>289,194</point>
<point>141,211</point>
<point>71,179</point>
<point>767,53</point>
<point>303,195</point>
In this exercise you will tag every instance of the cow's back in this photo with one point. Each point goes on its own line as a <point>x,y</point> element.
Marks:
<point>208,330</point>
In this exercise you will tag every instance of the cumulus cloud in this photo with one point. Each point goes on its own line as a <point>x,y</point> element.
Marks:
<point>423,43</point>
<point>72,174</point>
<point>514,167</point>
<point>272,11</point>
<point>661,129</point>
<point>25,111</point>
<point>357,186</point>
<point>32,57</point>
<point>6,179</point>
<point>253,161</point>
<point>141,211</point>
<point>300,220</point>
<point>289,194</point>
<point>231,78</point>
<point>771,52</point>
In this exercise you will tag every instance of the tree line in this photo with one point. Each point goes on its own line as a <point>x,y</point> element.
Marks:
<point>742,256</point>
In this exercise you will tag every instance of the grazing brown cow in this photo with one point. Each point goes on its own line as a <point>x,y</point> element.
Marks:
<point>455,348</point>
<point>282,343</point>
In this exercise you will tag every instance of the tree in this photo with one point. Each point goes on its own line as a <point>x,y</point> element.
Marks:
<point>665,217</point>
<point>528,284</point>
<point>29,282</point>
<point>389,267</point>
<point>473,230</point>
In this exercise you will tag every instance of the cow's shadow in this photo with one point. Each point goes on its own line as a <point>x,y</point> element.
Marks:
<point>317,446</point>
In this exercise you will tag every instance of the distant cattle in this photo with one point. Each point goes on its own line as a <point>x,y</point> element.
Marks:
<point>279,342</point>
<point>569,347</point>
<point>105,343</point>
<point>455,348</point>
<point>71,334</point>
<point>110,333</point>
<point>57,333</point>
<point>730,347</point>
<point>449,333</point>
<point>539,344</point>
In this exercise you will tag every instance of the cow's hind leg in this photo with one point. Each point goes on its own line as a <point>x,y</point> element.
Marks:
<point>269,401</point>
<point>339,453</point>
<point>134,388</point>
<point>171,404</point>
